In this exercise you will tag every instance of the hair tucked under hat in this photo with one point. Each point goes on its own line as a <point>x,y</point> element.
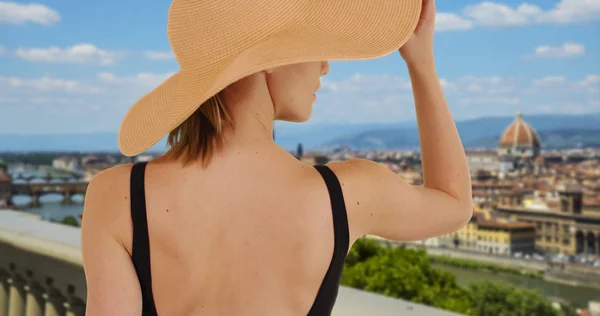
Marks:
<point>202,134</point>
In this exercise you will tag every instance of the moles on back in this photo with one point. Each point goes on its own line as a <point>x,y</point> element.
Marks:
<point>252,234</point>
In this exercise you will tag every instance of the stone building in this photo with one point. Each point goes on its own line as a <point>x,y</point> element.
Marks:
<point>492,235</point>
<point>570,228</point>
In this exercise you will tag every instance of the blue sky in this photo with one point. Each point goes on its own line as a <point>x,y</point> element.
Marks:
<point>70,66</point>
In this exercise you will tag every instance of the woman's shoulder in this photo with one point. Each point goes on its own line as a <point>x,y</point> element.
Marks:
<point>109,183</point>
<point>112,173</point>
<point>106,199</point>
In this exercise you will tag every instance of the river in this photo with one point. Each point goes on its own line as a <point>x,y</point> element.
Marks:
<point>51,208</point>
<point>578,296</point>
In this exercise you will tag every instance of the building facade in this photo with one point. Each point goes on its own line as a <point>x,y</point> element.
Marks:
<point>482,162</point>
<point>570,229</point>
<point>494,236</point>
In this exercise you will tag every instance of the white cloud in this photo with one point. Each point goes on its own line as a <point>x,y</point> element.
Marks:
<point>105,82</point>
<point>44,84</point>
<point>159,55</point>
<point>21,13</point>
<point>571,11</point>
<point>445,83</point>
<point>567,50</point>
<point>11,100</point>
<point>468,85</point>
<point>591,84</point>
<point>144,80</point>
<point>358,98</point>
<point>364,108</point>
<point>366,83</point>
<point>468,97</point>
<point>550,81</point>
<point>490,101</point>
<point>451,22</point>
<point>559,84</point>
<point>495,14</point>
<point>590,81</point>
<point>91,104</point>
<point>77,54</point>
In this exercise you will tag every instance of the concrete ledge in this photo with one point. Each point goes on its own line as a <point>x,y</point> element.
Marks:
<point>23,231</point>
<point>39,251</point>
<point>353,302</point>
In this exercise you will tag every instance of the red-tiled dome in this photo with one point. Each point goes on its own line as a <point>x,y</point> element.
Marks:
<point>519,134</point>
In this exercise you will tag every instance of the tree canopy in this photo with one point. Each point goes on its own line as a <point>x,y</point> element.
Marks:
<point>407,274</point>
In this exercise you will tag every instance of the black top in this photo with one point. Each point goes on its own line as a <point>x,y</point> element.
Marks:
<point>328,291</point>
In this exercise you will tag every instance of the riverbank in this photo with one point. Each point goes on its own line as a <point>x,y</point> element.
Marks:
<point>576,296</point>
<point>567,274</point>
<point>489,267</point>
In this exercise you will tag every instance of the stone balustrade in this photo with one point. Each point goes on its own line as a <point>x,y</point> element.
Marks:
<point>41,274</point>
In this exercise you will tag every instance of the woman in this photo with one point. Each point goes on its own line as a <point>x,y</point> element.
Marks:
<point>235,225</point>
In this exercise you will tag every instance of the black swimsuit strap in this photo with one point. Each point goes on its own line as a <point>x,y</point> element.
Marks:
<point>326,297</point>
<point>328,292</point>
<point>140,253</point>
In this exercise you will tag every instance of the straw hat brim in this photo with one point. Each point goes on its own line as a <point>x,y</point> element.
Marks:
<point>359,30</point>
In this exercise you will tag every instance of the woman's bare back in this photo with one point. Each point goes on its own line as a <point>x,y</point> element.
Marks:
<point>252,234</point>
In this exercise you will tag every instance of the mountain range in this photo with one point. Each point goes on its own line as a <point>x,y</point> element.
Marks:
<point>556,131</point>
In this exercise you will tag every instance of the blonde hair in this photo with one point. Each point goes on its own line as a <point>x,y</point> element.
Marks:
<point>201,135</point>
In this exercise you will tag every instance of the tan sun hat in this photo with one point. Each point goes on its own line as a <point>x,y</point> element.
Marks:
<point>216,43</point>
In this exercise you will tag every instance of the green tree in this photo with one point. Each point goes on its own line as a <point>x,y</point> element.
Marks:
<point>404,273</point>
<point>493,299</point>
<point>70,220</point>
<point>362,250</point>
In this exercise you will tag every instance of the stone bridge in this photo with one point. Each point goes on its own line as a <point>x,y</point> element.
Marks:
<point>36,190</point>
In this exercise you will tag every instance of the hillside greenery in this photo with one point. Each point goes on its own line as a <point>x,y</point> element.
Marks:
<point>407,274</point>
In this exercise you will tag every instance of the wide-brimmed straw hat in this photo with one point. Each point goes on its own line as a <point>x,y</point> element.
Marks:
<point>218,42</point>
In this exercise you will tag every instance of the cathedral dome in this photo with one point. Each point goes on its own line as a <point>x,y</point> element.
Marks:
<point>519,134</point>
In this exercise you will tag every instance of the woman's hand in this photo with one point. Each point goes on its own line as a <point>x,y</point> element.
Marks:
<point>419,48</point>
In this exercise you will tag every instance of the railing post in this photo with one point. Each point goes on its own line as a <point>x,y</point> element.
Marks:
<point>16,296</point>
<point>75,307</point>
<point>54,305</point>
<point>34,301</point>
<point>3,293</point>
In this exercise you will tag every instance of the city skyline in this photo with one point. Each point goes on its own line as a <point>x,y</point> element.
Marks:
<point>71,68</point>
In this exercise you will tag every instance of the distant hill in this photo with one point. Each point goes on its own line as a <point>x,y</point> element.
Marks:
<point>478,132</point>
<point>556,131</point>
